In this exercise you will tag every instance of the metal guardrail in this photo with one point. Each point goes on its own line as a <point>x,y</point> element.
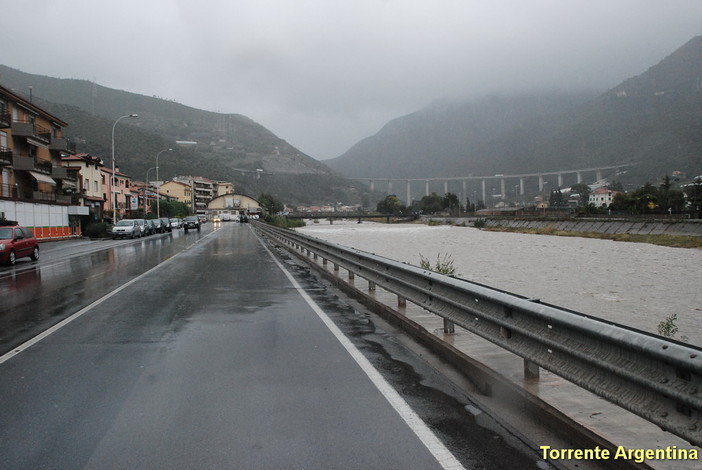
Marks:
<point>654,377</point>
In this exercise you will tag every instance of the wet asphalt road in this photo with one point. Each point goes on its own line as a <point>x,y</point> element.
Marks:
<point>204,355</point>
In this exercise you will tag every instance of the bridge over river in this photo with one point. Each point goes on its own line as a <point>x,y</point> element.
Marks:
<point>501,186</point>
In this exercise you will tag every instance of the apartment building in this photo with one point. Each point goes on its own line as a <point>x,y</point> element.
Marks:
<point>89,177</point>
<point>35,189</point>
<point>203,191</point>
<point>121,200</point>
<point>179,191</point>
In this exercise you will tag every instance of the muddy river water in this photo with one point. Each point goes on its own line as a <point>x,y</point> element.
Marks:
<point>634,284</point>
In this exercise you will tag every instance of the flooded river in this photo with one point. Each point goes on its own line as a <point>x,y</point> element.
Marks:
<point>634,284</point>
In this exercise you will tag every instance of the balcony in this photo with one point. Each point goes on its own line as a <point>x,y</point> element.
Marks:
<point>31,130</point>
<point>5,156</point>
<point>51,197</point>
<point>62,173</point>
<point>29,164</point>
<point>61,144</point>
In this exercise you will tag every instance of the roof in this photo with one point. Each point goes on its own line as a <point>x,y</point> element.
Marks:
<point>117,172</point>
<point>29,105</point>
<point>176,182</point>
<point>82,157</point>
<point>604,191</point>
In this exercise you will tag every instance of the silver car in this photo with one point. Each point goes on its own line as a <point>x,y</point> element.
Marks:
<point>126,228</point>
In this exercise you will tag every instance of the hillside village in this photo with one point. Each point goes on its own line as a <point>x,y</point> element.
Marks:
<point>46,185</point>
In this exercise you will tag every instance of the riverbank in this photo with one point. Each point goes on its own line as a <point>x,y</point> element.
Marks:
<point>672,233</point>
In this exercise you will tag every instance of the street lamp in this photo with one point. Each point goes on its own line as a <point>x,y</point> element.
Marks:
<point>146,188</point>
<point>158,186</point>
<point>114,196</point>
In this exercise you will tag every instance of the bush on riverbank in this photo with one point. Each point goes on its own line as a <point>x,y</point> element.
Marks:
<point>284,222</point>
<point>675,241</point>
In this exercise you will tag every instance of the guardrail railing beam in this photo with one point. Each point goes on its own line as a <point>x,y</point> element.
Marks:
<point>654,377</point>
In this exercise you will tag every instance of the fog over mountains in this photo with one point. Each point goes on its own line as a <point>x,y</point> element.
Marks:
<point>653,120</point>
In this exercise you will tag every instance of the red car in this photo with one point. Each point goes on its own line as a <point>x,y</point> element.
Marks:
<point>17,242</point>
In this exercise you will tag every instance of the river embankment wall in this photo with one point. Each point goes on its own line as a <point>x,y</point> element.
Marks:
<point>619,226</point>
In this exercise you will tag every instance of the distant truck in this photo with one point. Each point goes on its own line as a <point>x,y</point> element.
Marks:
<point>225,216</point>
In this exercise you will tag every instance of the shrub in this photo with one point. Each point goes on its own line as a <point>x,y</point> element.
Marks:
<point>668,328</point>
<point>97,230</point>
<point>444,265</point>
<point>480,223</point>
<point>284,222</point>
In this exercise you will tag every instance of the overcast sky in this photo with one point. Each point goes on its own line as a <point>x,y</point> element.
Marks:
<point>325,74</point>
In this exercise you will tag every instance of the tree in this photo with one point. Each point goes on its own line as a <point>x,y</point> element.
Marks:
<point>450,202</point>
<point>557,199</point>
<point>469,207</point>
<point>270,204</point>
<point>694,196</point>
<point>173,209</point>
<point>430,204</point>
<point>583,191</point>
<point>390,205</point>
<point>645,198</point>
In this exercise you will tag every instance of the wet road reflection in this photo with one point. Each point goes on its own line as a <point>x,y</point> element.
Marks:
<point>72,274</point>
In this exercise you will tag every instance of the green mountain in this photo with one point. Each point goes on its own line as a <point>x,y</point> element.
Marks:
<point>653,120</point>
<point>230,147</point>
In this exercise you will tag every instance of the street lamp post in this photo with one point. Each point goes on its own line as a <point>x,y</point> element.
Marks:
<point>158,185</point>
<point>114,192</point>
<point>146,188</point>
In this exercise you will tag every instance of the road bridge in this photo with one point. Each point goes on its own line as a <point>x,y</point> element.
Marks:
<point>518,185</point>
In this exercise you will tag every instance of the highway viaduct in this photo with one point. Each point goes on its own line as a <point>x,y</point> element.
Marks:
<point>523,184</point>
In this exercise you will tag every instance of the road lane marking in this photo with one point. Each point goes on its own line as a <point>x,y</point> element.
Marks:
<point>24,346</point>
<point>440,452</point>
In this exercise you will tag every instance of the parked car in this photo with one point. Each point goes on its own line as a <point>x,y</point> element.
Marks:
<point>176,223</point>
<point>17,242</point>
<point>143,227</point>
<point>166,224</point>
<point>158,225</point>
<point>149,226</point>
<point>126,228</point>
<point>192,221</point>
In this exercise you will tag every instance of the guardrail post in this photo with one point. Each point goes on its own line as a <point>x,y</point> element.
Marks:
<point>531,369</point>
<point>324,261</point>
<point>336,267</point>
<point>351,275</point>
<point>449,326</point>
<point>371,285</point>
<point>401,301</point>
<point>314,256</point>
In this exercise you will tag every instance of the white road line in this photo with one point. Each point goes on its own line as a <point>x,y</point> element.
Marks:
<point>444,456</point>
<point>7,356</point>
